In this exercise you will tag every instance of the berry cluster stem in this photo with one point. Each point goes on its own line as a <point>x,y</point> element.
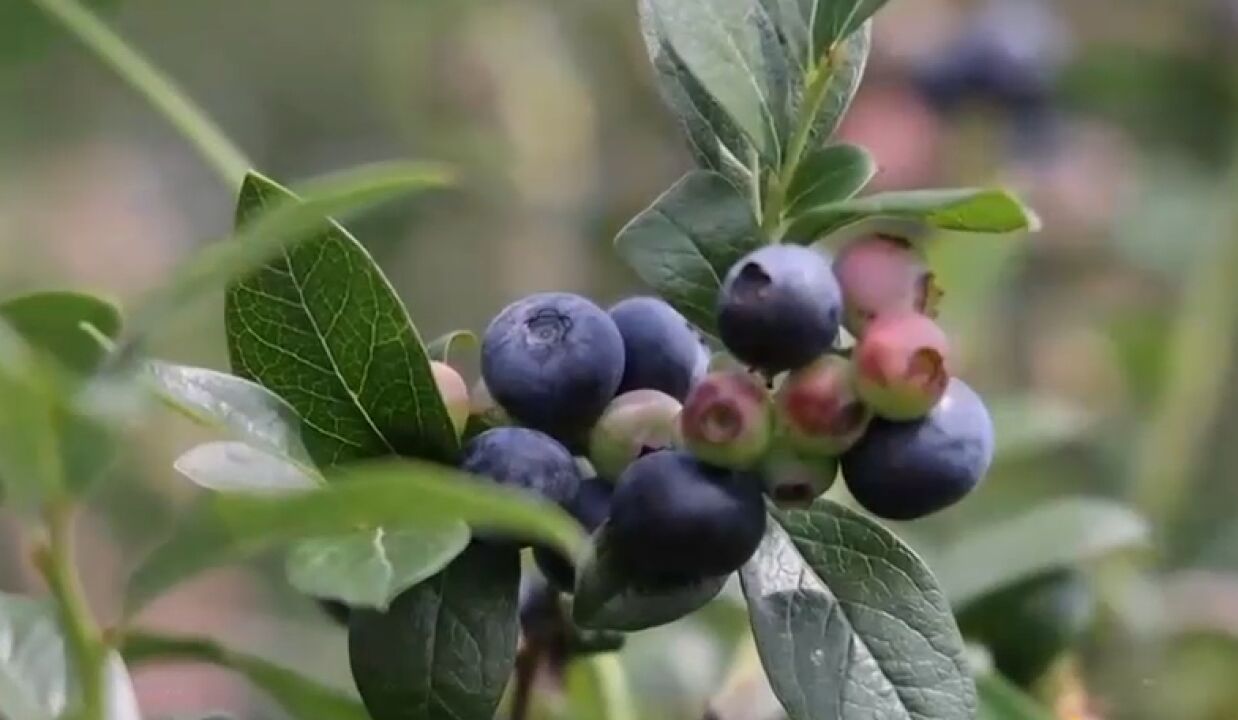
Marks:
<point>86,647</point>
<point>818,85</point>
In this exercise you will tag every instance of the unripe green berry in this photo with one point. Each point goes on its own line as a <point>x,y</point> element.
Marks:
<point>634,424</point>
<point>727,420</point>
<point>819,411</point>
<point>794,480</point>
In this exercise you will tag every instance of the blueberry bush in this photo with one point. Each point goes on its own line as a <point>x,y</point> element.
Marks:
<point>612,470</point>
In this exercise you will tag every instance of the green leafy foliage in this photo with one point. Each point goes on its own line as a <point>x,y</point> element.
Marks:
<point>53,323</point>
<point>444,347</point>
<point>606,599</point>
<point>835,20</point>
<point>597,689</point>
<point>303,698</point>
<point>25,33</point>
<point>322,328</point>
<point>445,648</point>
<point>849,623</point>
<point>34,674</point>
<point>846,66</point>
<point>1060,533</point>
<point>732,51</point>
<point>969,210</point>
<point>231,466</point>
<point>370,568</point>
<point>684,244</point>
<point>1000,700</point>
<point>227,527</point>
<point>240,408</point>
<point>830,174</point>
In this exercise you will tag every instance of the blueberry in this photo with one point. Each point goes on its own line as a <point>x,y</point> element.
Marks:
<point>662,351</point>
<point>794,480</point>
<point>907,470</point>
<point>882,274</point>
<point>675,520</point>
<point>590,507</point>
<point>728,420</point>
<point>819,411</point>
<point>553,361</point>
<point>336,610</point>
<point>525,459</point>
<point>454,392</point>
<point>901,365</point>
<point>634,424</point>
<point>780,308</point>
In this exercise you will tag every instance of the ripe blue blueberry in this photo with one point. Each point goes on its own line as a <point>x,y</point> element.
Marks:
<point>525,459</point>
<point>907,470</point>
<point>780,308</point>
<point>590,507</point>
<point>662,351</point>
<point>675,520</point>
<point>553,361</point>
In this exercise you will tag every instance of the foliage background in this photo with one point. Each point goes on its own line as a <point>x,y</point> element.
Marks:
<point>1106,342</point>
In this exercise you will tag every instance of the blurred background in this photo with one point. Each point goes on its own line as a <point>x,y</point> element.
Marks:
<point>1105,344</point>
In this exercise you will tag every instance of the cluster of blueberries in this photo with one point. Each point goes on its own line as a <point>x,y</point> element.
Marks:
<point>681,445</point>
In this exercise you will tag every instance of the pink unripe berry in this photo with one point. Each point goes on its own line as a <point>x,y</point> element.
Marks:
<point>882,274</point>
<point>819,410</point>
<point>901,366</point>
<point>454,392</point>
<point>727,420</point>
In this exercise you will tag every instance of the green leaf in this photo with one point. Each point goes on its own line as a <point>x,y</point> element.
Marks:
<point>834,20</point>
<point>122,698</point>
<point>445,649</point>
<point>322,328</point>
<point>34,674</point>
<point>227,527</point>
<point>849,622</point>
<point>31,417</point>
<point>716,143</point>
<point>1030,426</point>
<point>232,466</point>
<point>597,689</point>
<point>370,568</point>
<point>26,34</point>
<point>972,210</point>
<point>732,50</point>
<point>268,236</point>
<point>53,322</point>
<point>607,600</point>
<point>847,66</point>
<point>443,347</point>
<point>1001,700</point>
<point>301,697</point>
<point>684,244</point>
<point>238,407</point>
<point>828,175</point>
<point>1059,533</point>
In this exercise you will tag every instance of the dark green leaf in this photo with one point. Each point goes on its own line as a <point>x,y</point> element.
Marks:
<point>26,33</point>
<point>230,404</point>
<point>370,568</point>
<point>232,466</point>
<point>732,50</point>
<point>446,647</point>
<point>267,238</point>
<point>34,676</point>
<point>716,143</point>
<point>829,175</point>
<point>606,599</point>
<point>30,415</point>
<point>1059,533</point>
<point>301,697</point>
<point>223,528</point>
<point>53,323</point>
<point>834,20</point>
<point>1000,700</point>
<point>974,210</point>
<point>456,340</point>
<point>684,244</point>
<point>846,68</point>
<point>849,622</point>
<point>322,328</point>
